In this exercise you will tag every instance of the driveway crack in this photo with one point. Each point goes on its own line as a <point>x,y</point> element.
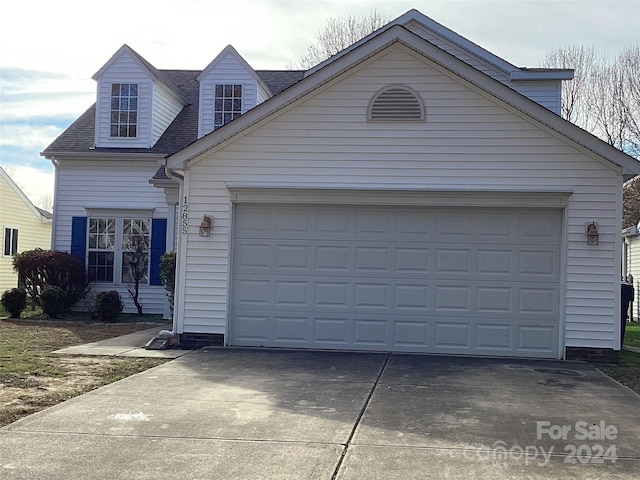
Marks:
<point>359,418</point>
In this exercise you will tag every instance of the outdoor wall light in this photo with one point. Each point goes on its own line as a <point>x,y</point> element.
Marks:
<point>593,237</point>
<point>205,226</point>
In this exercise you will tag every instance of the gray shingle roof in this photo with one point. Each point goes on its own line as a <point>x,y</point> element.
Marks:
<point>79,137</point>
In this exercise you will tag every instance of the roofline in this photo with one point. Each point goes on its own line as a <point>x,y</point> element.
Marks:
<point>155,73</point>
<point>43,218</point>
<point>93,155</point>
<point>379,42</point>
<point>229,49</point>
<point>454,38</point>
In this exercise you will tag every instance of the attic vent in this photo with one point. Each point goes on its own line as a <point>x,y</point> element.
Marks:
<point>396,104</point>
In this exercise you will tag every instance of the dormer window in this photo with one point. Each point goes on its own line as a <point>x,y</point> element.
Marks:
<point>228,104</point>
<point>124,110</point>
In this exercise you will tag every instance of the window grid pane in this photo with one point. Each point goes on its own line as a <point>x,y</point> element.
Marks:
<point>135,246</point>
<point>227,103</point>
<point>124,108</point>
<point>102,243</point>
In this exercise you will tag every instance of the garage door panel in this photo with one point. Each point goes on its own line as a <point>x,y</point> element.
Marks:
<point>494,337</point>
<point>474,281</point>
<point>536,339</point>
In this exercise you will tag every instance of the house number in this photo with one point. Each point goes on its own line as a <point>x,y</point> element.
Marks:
<point>185,216</point>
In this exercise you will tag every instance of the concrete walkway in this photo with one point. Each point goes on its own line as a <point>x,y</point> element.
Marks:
<point>225,413</point>
<point>131,345</point>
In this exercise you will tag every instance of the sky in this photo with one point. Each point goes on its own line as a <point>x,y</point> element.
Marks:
<point>49,49</point>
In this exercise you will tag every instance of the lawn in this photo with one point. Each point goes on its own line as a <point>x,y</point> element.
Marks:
<point>33,378</point>
<point>627,371</point>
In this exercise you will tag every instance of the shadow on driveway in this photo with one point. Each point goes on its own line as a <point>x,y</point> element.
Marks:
<point>282,414</point>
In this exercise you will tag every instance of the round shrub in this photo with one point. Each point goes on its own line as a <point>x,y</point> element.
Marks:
<point>53,300</point>
<point>108,306</point>
<point>14,301</point>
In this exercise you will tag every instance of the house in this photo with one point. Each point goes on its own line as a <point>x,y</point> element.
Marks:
<point>24,227</point>
<point>413,193</point>
<point>631,268</point>
<point>110,185</point>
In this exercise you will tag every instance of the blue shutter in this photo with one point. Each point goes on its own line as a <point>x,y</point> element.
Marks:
<point>79,237</point>
<point>158,247</point>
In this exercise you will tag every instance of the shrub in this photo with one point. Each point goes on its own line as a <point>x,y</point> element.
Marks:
<point>14,301</point>
<point>168,275</point>
<point>38,269</point>
<point>53,301</point>
<point>108,306</point>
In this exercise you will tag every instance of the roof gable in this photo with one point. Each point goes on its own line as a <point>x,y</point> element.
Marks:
<point>375,44</point>
<point>40,214</point>
<point>458,46</point>
<point>229,51</point>
<point>153,72</point>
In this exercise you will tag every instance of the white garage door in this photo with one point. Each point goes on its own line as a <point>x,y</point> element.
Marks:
<point>437,280</point>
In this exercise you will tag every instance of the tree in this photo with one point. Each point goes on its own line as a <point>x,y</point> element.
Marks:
<point>338,34</point>
<point>604,96</point>
<point>604,99</point>
<point>137,261</point>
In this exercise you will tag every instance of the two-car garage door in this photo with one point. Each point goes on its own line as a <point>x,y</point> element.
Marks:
<point>475,281</point>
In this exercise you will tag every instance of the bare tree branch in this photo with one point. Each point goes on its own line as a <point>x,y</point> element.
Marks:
<point>338,34</point>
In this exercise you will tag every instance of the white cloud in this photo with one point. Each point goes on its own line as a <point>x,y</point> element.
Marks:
<point>28,136</point>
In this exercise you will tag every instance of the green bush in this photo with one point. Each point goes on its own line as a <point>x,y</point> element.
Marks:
<point>108,306</point>
<point>53,301</point>
<point>38,269</point>
<point>14,301</point>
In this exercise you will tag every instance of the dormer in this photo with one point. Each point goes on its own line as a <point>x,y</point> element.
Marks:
<point>135,102</point>
<point>228,88</point>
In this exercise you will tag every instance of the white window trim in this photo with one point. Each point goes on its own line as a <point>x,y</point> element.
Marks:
<point>119,216</point>
<point>4,233</point>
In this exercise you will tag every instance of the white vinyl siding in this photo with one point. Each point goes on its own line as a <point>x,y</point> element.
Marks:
<point>470,142</point>
<point>228,70</point>
<point>125,70</point>
<point>165,109</point>
<point>117,187</point>
<point>263,94</point>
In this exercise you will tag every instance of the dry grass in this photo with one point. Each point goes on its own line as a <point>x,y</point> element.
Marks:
<point>32,378</point>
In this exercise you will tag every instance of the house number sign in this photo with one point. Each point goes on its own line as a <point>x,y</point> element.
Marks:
<point>185,216</point>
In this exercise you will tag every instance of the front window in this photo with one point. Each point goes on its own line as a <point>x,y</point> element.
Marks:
<point>228,103</point>
<point>101,245</point>
<point>135,254</point>
<point>10,241</point>
<point>118,250</point>
<point>124,110</point>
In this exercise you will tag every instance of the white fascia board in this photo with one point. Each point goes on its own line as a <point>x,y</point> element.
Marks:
<point>551,74</point>
<point>229,50</point>
<point>625,164</point>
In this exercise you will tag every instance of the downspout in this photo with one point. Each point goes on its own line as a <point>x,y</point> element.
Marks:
<point>177,294</point>
<point>54,223</point>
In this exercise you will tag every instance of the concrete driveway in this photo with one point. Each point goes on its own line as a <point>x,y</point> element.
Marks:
<point>274,414</point>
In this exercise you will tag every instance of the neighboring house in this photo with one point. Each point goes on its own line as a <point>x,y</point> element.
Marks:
<point>24,227</point>
<point>631,267</point>
<point>412,193</point>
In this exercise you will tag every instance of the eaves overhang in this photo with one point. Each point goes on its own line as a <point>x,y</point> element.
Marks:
<point>625,164</point>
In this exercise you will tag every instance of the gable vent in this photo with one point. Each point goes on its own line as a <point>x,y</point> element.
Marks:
<point>396,104</point>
